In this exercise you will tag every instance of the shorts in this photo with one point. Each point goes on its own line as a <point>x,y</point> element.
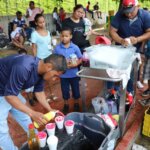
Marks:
<point>65,87</point>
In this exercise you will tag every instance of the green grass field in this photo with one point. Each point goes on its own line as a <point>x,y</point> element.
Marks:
<point>9,7</point>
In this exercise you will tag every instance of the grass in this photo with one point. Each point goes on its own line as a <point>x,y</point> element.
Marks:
<point>9,7</point>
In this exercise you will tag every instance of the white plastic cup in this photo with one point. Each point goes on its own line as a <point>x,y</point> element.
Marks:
<point>129,41</point>
<point>42,138</point>
<point>52,142</point>
<point>69,125</point>
<point>54,42</point>
<point>59,122</point>
<point>50,128</point>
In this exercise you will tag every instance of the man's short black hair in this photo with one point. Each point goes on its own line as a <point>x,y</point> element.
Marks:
<point>31,2</point>
<point>66,29</point>
<point>58,61</point>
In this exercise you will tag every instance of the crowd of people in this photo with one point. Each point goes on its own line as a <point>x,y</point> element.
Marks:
<point>19,72</point>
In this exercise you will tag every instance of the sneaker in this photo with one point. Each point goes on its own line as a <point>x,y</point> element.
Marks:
<point>76,107</point>
<point>146,93</point>
<point>66,109</point>
<point>145,102</point>
<point>140,85</point>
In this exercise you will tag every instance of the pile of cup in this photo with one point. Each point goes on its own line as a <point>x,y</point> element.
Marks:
<point>52,140</point>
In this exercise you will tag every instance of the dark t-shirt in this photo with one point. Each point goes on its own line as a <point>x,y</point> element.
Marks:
<point>19,72</point>
<point>136,27</point>
<point>96,7</point>
<point>77,32</point>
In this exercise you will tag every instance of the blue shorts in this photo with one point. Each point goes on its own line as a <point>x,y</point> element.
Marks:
<point>65,87</point>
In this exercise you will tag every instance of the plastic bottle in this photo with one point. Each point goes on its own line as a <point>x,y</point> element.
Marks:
<point>33,142</point>
<point>50,115</point>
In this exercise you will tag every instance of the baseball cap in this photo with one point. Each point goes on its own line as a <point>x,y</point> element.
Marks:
<point>128,6</point>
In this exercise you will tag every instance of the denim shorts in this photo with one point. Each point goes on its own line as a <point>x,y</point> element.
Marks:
<point>66,83</point>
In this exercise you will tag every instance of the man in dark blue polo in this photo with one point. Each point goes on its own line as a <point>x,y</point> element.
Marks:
<point>19,72</point>
<point>133,23</point>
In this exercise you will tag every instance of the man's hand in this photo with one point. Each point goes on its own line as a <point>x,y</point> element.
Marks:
<point>39,118</point>
<point>134,40</point>
<point>124,43</point>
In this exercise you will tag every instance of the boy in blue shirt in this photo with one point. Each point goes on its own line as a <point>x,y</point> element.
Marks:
<point>69,78</point>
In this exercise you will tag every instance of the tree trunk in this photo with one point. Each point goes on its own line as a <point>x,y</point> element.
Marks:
<point>75,1</point>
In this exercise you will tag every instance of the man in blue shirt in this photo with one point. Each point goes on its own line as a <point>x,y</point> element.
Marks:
<point>130,26</point>
<point>130,22</point>
<point>20,22</point>
<point>18,72</point>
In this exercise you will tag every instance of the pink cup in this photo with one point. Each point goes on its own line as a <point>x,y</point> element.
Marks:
<point>69,125</point>
<point>59,122</point>
<point>50,128</point>
<point>42,138</point>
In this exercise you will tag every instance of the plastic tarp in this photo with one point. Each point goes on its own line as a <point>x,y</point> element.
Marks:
<point>108,56</point>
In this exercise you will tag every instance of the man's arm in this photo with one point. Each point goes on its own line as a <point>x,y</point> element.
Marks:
<point>41,97</point>
<point>16,103</point>
<point>114,35</point>
<point>144,37</point>
<point>34,49</point>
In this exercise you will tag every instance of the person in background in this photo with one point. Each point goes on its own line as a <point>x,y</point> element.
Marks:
<point>20,21</point>
<point>88,27</point>
<point>96,9</point>
<point>41,39</point>
<point>62,14</point>
<point>17,36</point>
<point>19,72</point>
<point>42,42</point>
<point>56,20</point>
<point>74,58</point>
<point>90,11</point>
<point>76,24</point>
<point>31,12</point>
<point>133,23</point>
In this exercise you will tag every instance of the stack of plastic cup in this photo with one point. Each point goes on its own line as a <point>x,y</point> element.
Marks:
<point>50,128</point>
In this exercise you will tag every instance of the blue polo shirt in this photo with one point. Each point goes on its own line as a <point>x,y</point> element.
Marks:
<point>135,27</point>
<point>67,52</point>
<point>19,72</point>
<point>19,23</point>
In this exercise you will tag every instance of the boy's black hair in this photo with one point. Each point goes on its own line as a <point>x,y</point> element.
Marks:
<point>58,62</point>
<point>22,51</point>
<point>18,13</point>
<point>66,29</point>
